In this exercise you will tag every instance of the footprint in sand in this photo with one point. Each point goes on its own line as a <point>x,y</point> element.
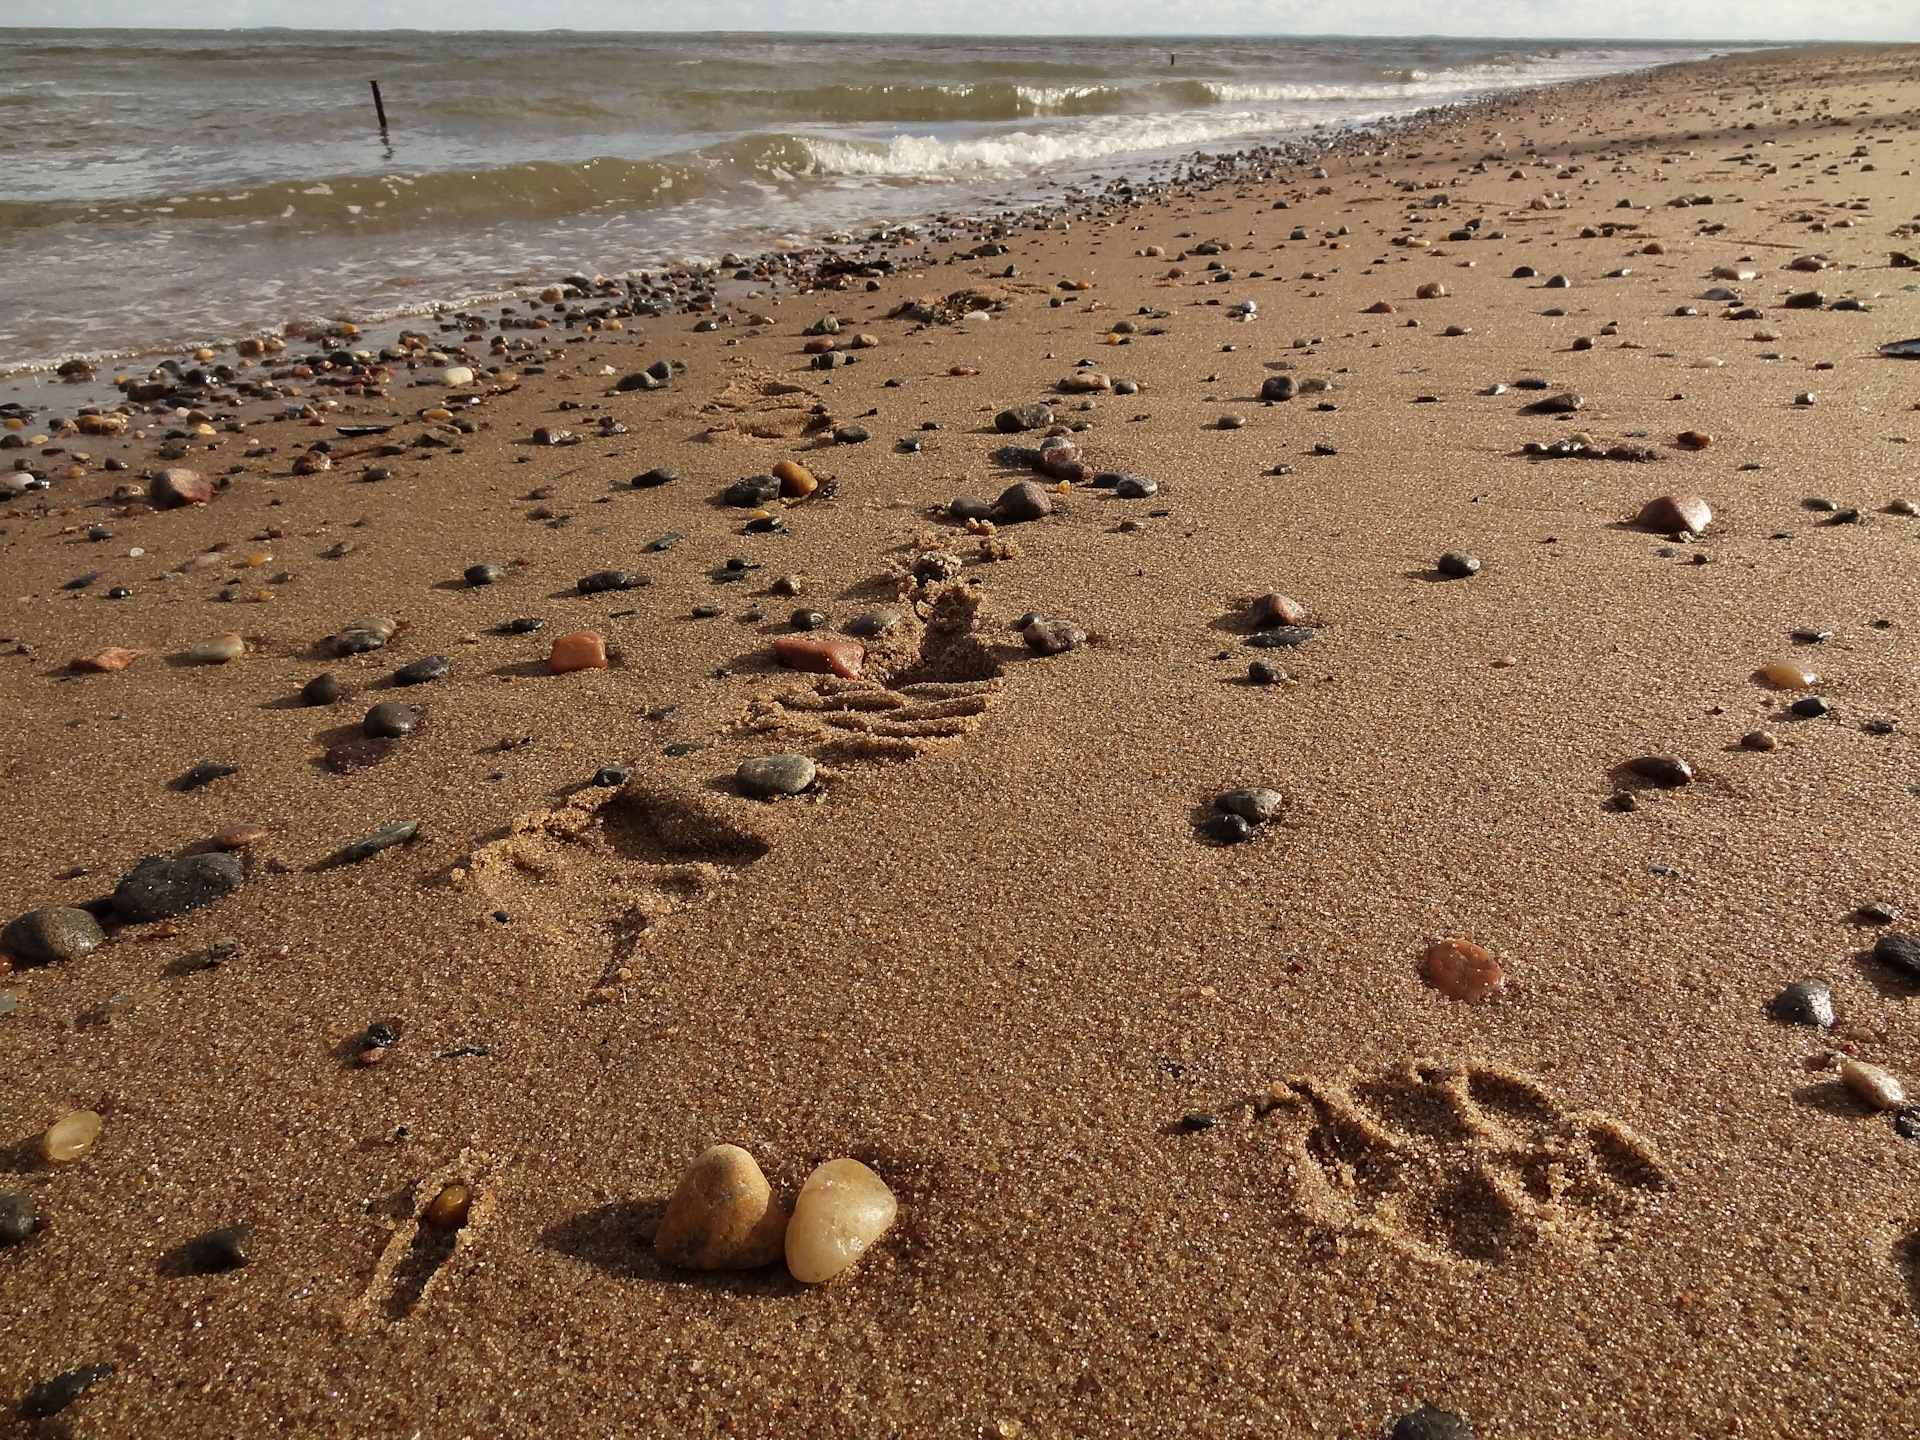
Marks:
<point>1459,1164</point>
<point>425,1248</point>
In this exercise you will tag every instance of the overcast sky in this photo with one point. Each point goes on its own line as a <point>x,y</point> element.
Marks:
<point>1568,19</point>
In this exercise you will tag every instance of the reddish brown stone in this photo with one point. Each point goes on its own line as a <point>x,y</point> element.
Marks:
<point>582,650</point>
<point>114,657</point>
<point>1277,609</point>
<point>821,655</point>
<point>1695,439</point>
<point>238,837</point>
<point>1379,307</point>
<point>173,488</point>
<point>1463,971</point>
<point>1667,513</point>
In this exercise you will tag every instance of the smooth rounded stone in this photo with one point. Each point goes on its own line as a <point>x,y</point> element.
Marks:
<point>449,1208</point>
<point>1668,513</point>
<point>484,574</point>
<point>1461,970</point>
<point>1458,565</point>
<point>842,1209</point>
<point>218,1251</point>
<point>767,776</point>
<point>390,720</point>
<point>659,475</point>
<point>1230,422</point>
<point>601,581</point>
<point>1899,952</point>
<point>1024,501</point>
<point>71,1136</point>
<point>160,889</point>
<point>1019,418</point>
<point>1053,637</point>
<point>1903,507</point>
<point>1789,676</point>
<point>382,839</point>
<point>1694,440</point>
<point>821,655</point>
<point>1135,487</point>
<point>1664,770</point>
<point>51,935</point>
<point>1286,637</point>
<point>18,1217</point>
<point>1279,387</point>
<point>722,1215</point>
<point>239,837</point>
<point>172,489</point>
<point>1762,740</point>
<point>970,507</point>
<point>217,649</point>
<point>1877,1087</point>
<point>1811,708</point>
<point>1559,282</point>
<point>804,619</point>
<point>1805,300</point>
<point>1274,609</point>
<point>323,689</point>
<point>1256,804</point>
<point>934,566</point>
<point>1227,829</point>
<point>364,635</point>
<point>423,670</point>
<point>1524,272</point>
<point>1805,1002</point>
<point>795,479</point>
<point>1431,290</point>
<point>582,650</point>
<point>873,623</point>
<point>1428,1423</point>
<point>1265,672</point>
<point>753,491</point>
<point>205,773</point>
<point>609,777</point>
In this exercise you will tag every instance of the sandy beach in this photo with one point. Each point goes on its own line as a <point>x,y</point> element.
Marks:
<point>1185,1138</point>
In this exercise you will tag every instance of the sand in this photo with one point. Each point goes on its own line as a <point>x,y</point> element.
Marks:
<point>994,958</point>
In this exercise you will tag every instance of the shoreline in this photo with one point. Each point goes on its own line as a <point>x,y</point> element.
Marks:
<point>1190,1129</point>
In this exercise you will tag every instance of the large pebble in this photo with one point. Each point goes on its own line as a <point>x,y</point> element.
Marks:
<point>217,649</point>
<point>1279,387</point>
<point>389,719</point>
<point>172,489</point>
<point>1458,565</point>
<point>821,655</point>
<point>722,1215</point>
<point>159,889</point>
<point>1667,770</point>
<point>582,650</point>
<point>1877,1087</point>
<point>368,633</point>
<point>843,1208</point>
<point>1023,417</point>
<point>1900,952</point>
<point>1669,513</point>
<point>1463,971</point>
<point>1024,501</point>
<point>51,935</point>
<point>766,776</point>
<point>1255,803</point>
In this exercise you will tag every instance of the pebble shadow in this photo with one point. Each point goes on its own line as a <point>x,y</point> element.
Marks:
<point>1830,1097</point>
<point>1887,982</point>
<point>617,1240</point>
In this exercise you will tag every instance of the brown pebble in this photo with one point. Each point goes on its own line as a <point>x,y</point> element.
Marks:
<point>1277,609</point>
<point>1760,740</point>
<point>821,655</point>
<point>722,1216</point>
<point>238,837</point>
<point>1463,971</point>
<point>449,1209</point>
<point>1669,513</point>
<point>1663,770</point>
<point>1695,439</point>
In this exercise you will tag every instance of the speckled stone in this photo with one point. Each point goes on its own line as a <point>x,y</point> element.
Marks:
<point>159,889</point>
<point>1428,1423</point>
<point>766,776</point>
<point>51,935</point>
<point>390,719</point>
<point>722,1215</point>
<point>1256,804</point>
<point>1900,952</point>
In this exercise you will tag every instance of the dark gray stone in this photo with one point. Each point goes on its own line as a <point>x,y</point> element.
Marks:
<point>969,507</point>
<point>159,889</point>
<point>427,667</point>
<point>1256,804</point>
<point>380,840</point>
<point>1053,637</point>
<point>18,1217</point>
<point>1227,829</point>
<point>1286,637</point>
<point>323,689</point>
<point>603,580</point>
<point>1901,952</point>
<point>874,622</point>
<point>1135,487</point>
<point>390,719</point>
<point>752,492</point>
<point>1017,418</point>
<point>205,773</point>
<point>1428,1423</point>
<point>659,475</point>
<point>1805,1002</point>
<point>484,574</point>
<point>1458,565</point>
<point>1279,387</point>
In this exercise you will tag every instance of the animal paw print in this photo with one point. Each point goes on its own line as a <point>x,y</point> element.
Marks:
<point>1459,1164</point>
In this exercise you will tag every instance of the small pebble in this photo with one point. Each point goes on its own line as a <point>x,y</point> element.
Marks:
<point>821,655</point>
<point>1264,672</point>
<point>524,625</point>
<point>1428,1423</point>
<point>71,1136</point>
<point>428,667</point>
<point>385,839</point>
<point>1053,637</point>
<point>1789,676</point>
<point>449,1209</point>
<point>1256,804</point>
<point>1669,513</point>
<point>18,1217</point>
<point>1664,770</point>
<point>205,773</point>
<point>1899,952</point>
<point>323,689</point>
<point>1228,829</point>
<point>768,776</point>
<point>51,936</point>
<point>1811,708</point>
<point>582,650</point>
<point>1196,1120</point>
<point>219,1251</point>
<point>1463,971</point>
<point>1872,1084</point>
<point>1760,740</point>
<point>1458,565</point>
<point>842,1209</point>
<point>1276,609</point>
<point>217,649</point>
<point>162,889</point>
<point>1805,1002</point>
<point>484,574</point>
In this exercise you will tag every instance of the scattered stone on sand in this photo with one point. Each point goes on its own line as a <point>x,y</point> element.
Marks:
<point>1053,637</point>
<point>364,635</point>
<point>450,1207</point>
<point>1231,421</point>
<point>582,650</point>
<point>1024,501</point>
<point>842,1209</point>
<point>1085,382</point>
<point>217,649</point>
<point>1255,804</point>
<point>218,1251</point>
<point>484,574</point>
<point>1667,514</point>
<point>1694,440</point>
<point>1879,1088</point>
<point>426,668</point>
<point>71,1136</point>
<point>51,935</point>
<point>821,655</point>
<point>1428,1423</point>
<point>1811,708</point>
<point>1762,740</point>
<point>795,479</point>
<point>1265,672</point>
<point>389,720</point>
<point>1461,970</point>
<point>205,773</point>
<point>1805,1002</point>
<point>766,776</point>
<point>160,889</point>
<point>1279,388</point>
<point>174,488</point>
<point>1899,952</point>
<point>722,1215</point>
<point>1283,637</point>
<point>600,581</point>
<point>1458,565</point>
<point>1276,609</point>
<point>874,623</point>
<point>382,839</point>
<point>239,837</point>
<point>522,625</point>
<point>1019,418</point>
<point>972,507</point>
<point>1564,403</point>
<point>1663,770</point>
<point>1135,487</point>
<point>1228,829</point>
<point>934,566</point>
<point>754,490</point>
<point>652,479</point>
<point>19,1217</point>
<point>1788,676</point>
<point>324,689</point>
<point>114,657</point>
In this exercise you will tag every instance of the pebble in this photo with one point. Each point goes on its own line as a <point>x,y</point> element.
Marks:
<point>160,889</point>
<point>174,488</point>
<point>972,507</point>
<point>1694,439</point>
<point>1053,637</point>
<point>384,839</point>
<point>603,580</point>
<point>1463,971</point>
<point>218,1251</point>
<point>217,649</point>
<point>205,773</point>
<point>1811,708</point>
<point>821,655</point>
<point>1227,829</point>
<point>873,623</point>
<point>1255,804</point>
<point>842,1209</point>
<point>389,720</point>
<point>1431,290</point>
<point>1899,952</point>
<point>609,777</point>
<point>51,935</point>
<point>524,625</point>
<point>1876,912</point>
<point>659,475</point>
<point>750,492</point>
<point>722,1215</point>
<point>1872,1084</point>
<point>1428,1423</point>
<point>1135,487</point>
<point>1024,501</point>
<point>1663,770</point>
<point>1284,638</point>
<point>323,689</point>
<point>449,1208</point>
<point>1760,740</point>
<point>804,619</point>
<point>1279,387</point>
<point>427,667</point>
<point>1805,1002</point>
<point>767,776</point>
<point>1789,676</point>
<point>239,837</point>
<point>1265,672</point>
<point>1231,422</point>
<point>1458,565</point>
<point>935,566</point>
<point>1276,609</point>
<point>1564,403</point>
<point>71,1136</point>
<point>1019,418</point>
<point>484,574</point>
<point>582,650</point>
<point>795,479</point>
<point>1559,282</point>
<point>1669,513</point>
<point>364,635</point>
<point>18,1217</point>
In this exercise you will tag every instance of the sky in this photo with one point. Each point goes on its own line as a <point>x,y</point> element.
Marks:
<point>1856,20</point>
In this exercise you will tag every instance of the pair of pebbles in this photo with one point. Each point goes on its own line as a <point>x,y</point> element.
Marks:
<point>723,1215</point>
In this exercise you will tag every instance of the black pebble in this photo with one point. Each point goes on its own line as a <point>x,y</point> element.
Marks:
<point>1846,516</point>
<point>1262,672</point>
<point>1197,1120</point>
<point>1458,565</point>
<point>219,1251</point>
<point>808,620</point>
<point>120,592</point>
<point>1811,708</point>
<point>381,1034</point>
<point>1227,829</point>
<point>525,625</point>
<point>18,1217</point>
<point>1283,638</point>
<point>323,689</point>
<point>389,719</point>
<point>1901,952</point>
<point>483,574</point>
<point>1428,1423</point>
<point>205,773</point>
<point>601,580</point>
<point>427,667</point>
<point>1805,1002</point>
<point>661,475</point>
<point>1906,1123</point>
<point>608,777</point>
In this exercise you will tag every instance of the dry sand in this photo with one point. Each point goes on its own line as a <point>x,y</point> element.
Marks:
<point>1000,965</point>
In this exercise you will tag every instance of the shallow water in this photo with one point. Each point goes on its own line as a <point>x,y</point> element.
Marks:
<point>162,189</point>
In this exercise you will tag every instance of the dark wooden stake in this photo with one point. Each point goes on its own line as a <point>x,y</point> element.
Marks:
<point>379,108</point>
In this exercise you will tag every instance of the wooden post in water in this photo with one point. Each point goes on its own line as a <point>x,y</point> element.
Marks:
<point>379,109</point>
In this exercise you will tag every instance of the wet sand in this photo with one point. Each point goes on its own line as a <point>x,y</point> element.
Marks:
<point>991,953</point>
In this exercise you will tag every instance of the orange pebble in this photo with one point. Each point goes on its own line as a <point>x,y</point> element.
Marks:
<point>1463,971</point>
<point>448,1210</point>
<point>1695,439</point>
<point>114,657</point>
<point>238,837</point>
<point>795,479</point>
<point>821,655</point>
<point>582,650</point>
